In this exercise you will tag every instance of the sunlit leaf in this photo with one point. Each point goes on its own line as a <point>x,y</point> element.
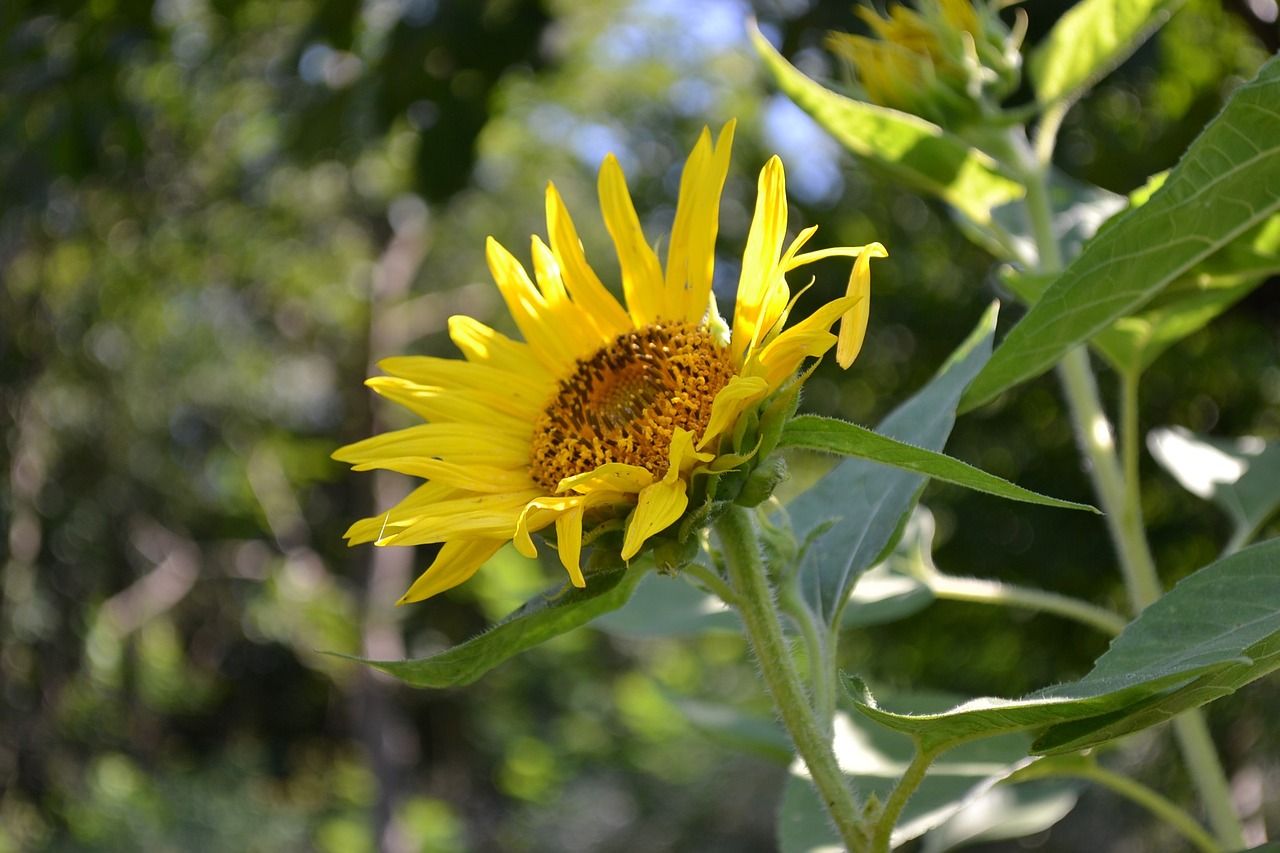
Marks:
<point>1079,210</point>
<point>955,798</point>
<point>549,615</point>
<point>905,147</point>
<point>1090,40</point>
<point>1214,632</point>
<point>1227,183</point>
<point>1242,476</point>
<point>870,502</point>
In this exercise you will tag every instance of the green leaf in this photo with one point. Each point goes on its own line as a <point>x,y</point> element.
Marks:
<point>813,432</point>
<point>961,797</point>
<point>1227,183</point>
<point>1089,41</point>
<point>870,502</point>
<point>1186,305</point>
<point>905,147</point>
<point>1193,300</point>
<point>553,613</point>
<point>1214,632</point>
<point>1242,476</point>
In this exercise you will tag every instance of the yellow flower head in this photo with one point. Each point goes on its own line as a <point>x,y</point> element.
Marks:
<point>942,62</point>
<point>604,413</point>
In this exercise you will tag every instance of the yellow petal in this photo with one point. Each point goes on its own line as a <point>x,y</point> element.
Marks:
<point>853,325</point>
<point>440,404</point>
<point>567,513</point>
<point>578,330</point>
<point>470,476</point>
<point>662,503</point>
<point>730,403</point>
<point>581,281</point>
<point>764,245</point>
<point>659,505</point>
<point>569,541</point>
<point>460,443</point>
<point>532,384</point>
<point>691,255</point>
<point>470,517</point>
<point>529,310</point>
<point>482,345</point>
<point>456,562</point>
<point>781,357</point>
<point>641,273</point>
<point>611,476</point>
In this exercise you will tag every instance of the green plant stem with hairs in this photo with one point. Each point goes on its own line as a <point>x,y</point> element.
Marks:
<point>1116,483</point>
<point>758,608</point>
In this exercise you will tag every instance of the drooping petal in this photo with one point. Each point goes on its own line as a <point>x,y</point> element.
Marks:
<point>660,504</point>
<point>691,255</point>
<point>853,325</point>
<point>781,357</point>
<point>641,272</point>
<point>569,541</point>
<point>543,511</point>
<point>730,403</point>
<point>611,476</point>
<point>457,561</point>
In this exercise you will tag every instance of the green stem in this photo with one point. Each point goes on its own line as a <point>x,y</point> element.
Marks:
<point>759,613</point>
<point>994,592</point>
<point>712,582</point>
<point>897,800</point>
<point>1153,802</point>
<point>1124,519</point>
<point>822,670</point>
<point>1120,501</point>
<point>1201,755</point>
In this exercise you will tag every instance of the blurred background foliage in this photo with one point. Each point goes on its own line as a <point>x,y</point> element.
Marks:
<point>215,215</point>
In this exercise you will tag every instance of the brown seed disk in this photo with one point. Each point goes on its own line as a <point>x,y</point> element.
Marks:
<point>624,403</point>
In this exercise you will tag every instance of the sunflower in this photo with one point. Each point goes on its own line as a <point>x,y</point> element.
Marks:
<point>604,413</point>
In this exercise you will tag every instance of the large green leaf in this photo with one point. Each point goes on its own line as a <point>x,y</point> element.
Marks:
<point>1214,632</point>
<point>1227,183</point>
<point>1090,40</point>
<point>549,615</point>
<point>906,147</point>
<point>869,502</point>
<point>1186,305</point>
<point>833,436</point>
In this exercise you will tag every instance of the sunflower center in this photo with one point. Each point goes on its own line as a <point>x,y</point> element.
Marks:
<point>624,403</point>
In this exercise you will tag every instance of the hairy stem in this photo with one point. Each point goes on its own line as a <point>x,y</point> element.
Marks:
<point>893,806</point>
<point>1118,492</point>
<point>759,612</point>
